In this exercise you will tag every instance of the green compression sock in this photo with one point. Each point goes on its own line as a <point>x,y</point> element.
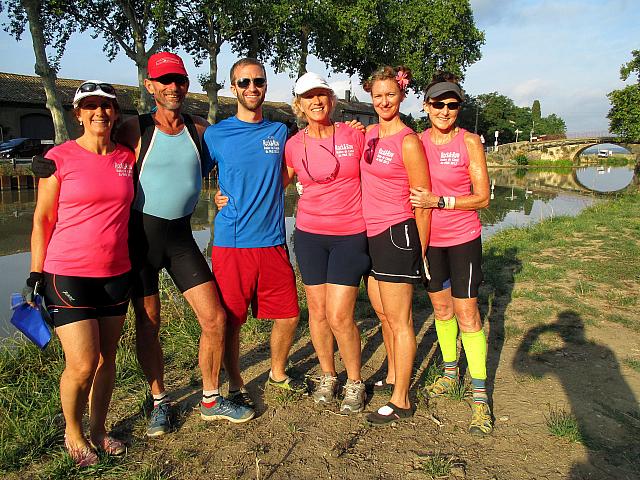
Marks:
<point>475,348</point>
<point>447,331</point>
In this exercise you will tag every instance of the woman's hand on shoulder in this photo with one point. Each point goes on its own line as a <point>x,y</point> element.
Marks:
<point>356,125</point>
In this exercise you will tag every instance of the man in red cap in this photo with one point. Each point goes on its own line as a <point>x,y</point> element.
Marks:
<point>168,178</point>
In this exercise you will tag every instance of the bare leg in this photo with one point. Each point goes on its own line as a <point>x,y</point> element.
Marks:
<point>321,334</point>
<point>396,300</point>
<point>104,379</point>
<point>148,346</point>
<point>466,310</point>
<point>232,356</point>
<point>387,333</point>
<point>340,304</point>
<point>81,345</point>
<point>282,335</point>
<point>204,300</point>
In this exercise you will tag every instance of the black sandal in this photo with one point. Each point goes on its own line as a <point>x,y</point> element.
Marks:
<point>397,413</point>
<point>382,385</point>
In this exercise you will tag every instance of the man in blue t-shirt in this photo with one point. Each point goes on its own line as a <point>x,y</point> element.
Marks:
<point>249,257</point>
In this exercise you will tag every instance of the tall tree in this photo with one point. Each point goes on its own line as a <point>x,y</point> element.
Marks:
<point>624,116</point>
<point>138,28</point>
<point>49,27</point>
<point>536,111</point>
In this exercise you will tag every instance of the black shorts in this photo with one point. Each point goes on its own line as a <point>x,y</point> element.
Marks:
<point>71,299</point>
<point>156,243</point>
<point>337,259</point>
<point>396,254</point>
<point>458,267</point>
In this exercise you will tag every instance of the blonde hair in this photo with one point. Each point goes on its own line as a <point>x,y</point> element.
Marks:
<point>299,113</point>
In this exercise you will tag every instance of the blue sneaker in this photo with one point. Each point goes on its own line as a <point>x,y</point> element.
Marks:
<point>160,420</point>
<point>223,409</point>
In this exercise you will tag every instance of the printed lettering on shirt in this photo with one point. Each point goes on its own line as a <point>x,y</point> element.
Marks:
<point>271,145</point>
<point>384,156</point>
<point>449,158</point>
<point>344,150</point>
<point>123,169</point>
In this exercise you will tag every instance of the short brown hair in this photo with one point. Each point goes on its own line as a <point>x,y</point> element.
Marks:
<point>386,72</point>
<point>242,63</point>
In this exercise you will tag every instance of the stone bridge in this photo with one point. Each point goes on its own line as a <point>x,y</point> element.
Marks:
<point>568,148</point>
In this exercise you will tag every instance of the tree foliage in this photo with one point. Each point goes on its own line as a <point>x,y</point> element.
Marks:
<point>624,116</point>
<point>536,111</point>
<point>137,28</point>
<point>49,28</point>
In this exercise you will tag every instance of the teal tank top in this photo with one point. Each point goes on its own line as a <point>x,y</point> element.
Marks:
<point>170,176</point>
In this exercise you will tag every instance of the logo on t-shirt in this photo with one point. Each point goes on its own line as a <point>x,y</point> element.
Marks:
<point>449,158</point>
<point>384,156</point>
<point>123,169</point>
<point>344,150</point>
<point>271,145</point>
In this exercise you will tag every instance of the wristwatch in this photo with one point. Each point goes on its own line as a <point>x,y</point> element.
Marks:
<point>441,202</point>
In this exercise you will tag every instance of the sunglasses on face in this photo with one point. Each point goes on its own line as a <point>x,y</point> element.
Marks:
<point>92,87</point>
<point>245,82</point>
<point>441,105</point>
<point>95,106</point>
<point>370,152</point>
<point>179,80</point>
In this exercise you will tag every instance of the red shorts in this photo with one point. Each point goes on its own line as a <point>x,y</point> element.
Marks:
<point>260,277</point>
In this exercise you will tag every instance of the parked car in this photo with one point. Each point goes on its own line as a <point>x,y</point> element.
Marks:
<point>22,148</point>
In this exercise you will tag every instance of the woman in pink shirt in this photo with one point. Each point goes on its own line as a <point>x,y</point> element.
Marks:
<point>329,240</point>
<point>459,186</point>
<point>394,161</point>
<point>80,263</point>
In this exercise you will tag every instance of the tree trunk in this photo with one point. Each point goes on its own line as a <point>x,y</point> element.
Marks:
<point>211,87</point>
<point>145,103</point>
<point>45,71</point>
<point>254,44</point>
<point>304,53</point>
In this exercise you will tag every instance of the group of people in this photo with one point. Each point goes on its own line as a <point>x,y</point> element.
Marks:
<point>385,205</point>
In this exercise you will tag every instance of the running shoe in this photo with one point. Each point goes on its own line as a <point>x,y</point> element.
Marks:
<point>224,409</point>
<point>441,386</point>
<point>481,422</point>
<point>289,383</point>
<point>160,420</point>
<point>354,397</point>
<point>326,390</point>
<point>82,456</point>
<point>242,397</point>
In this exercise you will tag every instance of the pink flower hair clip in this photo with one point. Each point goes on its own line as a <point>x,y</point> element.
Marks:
<point>403,80</point>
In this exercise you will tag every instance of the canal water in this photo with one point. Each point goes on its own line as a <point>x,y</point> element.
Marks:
<point>519,197</point>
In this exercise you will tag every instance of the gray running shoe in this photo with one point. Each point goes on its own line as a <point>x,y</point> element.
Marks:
<point>160,420</point>
<point>223,409</point>
<point>354,397</point>
<point>326,390</point>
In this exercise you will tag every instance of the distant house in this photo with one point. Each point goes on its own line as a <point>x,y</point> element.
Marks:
<point>23,112</point>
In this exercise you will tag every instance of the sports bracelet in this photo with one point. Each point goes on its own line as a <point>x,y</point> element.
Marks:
<point>449,203</point>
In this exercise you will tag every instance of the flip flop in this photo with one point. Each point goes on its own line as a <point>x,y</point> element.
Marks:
<point>382,385</point>
<point>389,413</point>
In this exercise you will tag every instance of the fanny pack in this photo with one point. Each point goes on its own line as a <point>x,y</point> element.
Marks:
<point>31,321</point>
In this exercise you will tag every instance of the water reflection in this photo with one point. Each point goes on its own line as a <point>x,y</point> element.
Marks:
<point>519,197</point>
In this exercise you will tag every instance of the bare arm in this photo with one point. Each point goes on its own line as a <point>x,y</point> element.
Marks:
<point>44,220</point>
<point>415,162</point>
<point>201,125</point>
<point>287,175</point>
<point>479,197</point>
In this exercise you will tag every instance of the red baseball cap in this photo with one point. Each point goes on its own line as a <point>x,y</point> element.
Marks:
<point>165,63</point>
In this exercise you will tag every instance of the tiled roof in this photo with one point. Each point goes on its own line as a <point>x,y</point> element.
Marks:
<point>28,89</point>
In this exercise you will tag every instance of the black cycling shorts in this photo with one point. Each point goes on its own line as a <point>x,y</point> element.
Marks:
<point>458,267</point>
<point>337,259</point>
<point>156,243</point>
<point>396,254</point>
<point>72,299</point>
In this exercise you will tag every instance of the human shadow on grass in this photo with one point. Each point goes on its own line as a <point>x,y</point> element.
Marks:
<point>603,412</point>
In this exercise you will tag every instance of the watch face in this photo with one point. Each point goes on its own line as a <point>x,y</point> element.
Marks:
<point>441,202</point>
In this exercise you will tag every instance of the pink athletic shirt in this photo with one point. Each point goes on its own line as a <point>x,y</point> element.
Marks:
<point>385,183</point>
<point>334,207</point>
<point>90,235</point>
<point>449,170</point>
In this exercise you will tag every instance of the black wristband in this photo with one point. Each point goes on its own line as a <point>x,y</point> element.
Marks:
<point>35,277</point>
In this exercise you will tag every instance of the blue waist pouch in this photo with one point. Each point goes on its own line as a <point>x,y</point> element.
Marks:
<point>31,321</point>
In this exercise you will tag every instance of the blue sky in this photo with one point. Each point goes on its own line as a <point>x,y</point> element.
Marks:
<point>567,54</point>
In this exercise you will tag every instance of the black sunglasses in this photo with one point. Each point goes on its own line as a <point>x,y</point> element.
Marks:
<point>305,162</point>
<point>171,78</point>
<point>92,87</point>
<point>244,82</point>
<point>441,105</point>
<point>370,152</point>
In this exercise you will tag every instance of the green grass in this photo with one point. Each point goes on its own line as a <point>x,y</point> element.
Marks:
<point>563,424</point>
<point>460,391</point>
<point>632,363</point>
<point>437,465</point>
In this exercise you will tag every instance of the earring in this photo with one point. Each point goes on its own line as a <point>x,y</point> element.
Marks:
<point>80,122</point>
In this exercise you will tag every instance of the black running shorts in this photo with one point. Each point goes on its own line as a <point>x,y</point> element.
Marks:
<point>71,299</point>
<point>396,254</point>
<point>156,243</point>
<point>458,267</point>
<point>337,259</point>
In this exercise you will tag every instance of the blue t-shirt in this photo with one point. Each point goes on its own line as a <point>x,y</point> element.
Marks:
<point>249,159</point>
